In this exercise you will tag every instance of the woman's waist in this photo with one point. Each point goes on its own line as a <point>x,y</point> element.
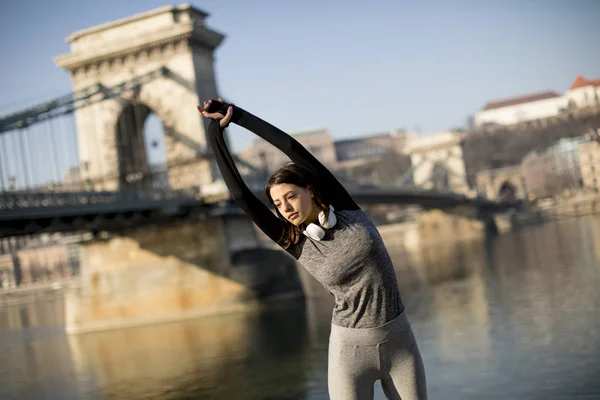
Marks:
<point>371,335</point>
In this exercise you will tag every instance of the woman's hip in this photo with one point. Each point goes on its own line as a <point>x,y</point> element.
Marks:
<point>397,330</point>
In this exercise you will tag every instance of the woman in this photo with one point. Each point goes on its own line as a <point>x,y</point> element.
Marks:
<point>320,225</point>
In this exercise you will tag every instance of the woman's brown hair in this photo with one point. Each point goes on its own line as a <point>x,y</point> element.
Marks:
<point>295,175</point>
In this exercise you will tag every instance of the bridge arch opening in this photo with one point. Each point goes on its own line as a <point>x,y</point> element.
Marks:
<point>141,151</point>
<point>507,193</point>
<point>154,134</point>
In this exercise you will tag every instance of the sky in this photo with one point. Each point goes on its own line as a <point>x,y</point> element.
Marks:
<point>352,67</point>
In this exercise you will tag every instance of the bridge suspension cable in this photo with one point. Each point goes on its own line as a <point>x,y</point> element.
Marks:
<point>68,103</point>
<point>2,161</point>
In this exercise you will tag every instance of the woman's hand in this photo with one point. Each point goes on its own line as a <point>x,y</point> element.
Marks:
<point>223,119</point>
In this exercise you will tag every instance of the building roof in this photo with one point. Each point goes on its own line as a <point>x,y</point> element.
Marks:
<point>362,139</point>
<point>582,81</point>
<point>520,100</point>
<point>308,132</point>
<point>296,134</point>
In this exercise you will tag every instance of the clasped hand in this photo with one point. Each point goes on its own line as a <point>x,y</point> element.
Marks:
<point>223,119</point>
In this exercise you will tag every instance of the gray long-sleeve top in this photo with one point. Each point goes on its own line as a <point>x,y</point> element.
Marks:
<point>351,262</point>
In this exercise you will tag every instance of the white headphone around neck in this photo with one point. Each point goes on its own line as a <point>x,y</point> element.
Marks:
<point>317,232</point>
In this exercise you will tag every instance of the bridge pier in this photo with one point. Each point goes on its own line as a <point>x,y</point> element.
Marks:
<point>171,272</point>
<point>490,225</point>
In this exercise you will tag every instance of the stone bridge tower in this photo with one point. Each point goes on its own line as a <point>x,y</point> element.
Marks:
<point>175,43</point>
<point>437,162</point>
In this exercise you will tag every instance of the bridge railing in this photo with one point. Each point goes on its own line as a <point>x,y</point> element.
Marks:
<point>15,201</point>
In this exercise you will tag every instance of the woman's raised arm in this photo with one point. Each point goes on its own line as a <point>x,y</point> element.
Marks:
<point>332,190</point>
<point>264,218</point>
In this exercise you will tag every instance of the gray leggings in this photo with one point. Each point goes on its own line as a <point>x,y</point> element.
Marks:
<point>359,357</point>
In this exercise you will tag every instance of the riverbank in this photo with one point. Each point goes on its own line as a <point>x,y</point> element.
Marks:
<point>550,210</point>
<point>34,292</point>
<point>577,206</point>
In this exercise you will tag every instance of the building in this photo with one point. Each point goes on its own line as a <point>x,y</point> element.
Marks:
<point>370,147</point>
<point>7,272</point>
<point>583,93</point>
<point>437,162</point>
<point>490,183</point>
<point>373,160</point>
<point>41,258</point>
<point>265,157</point>
<point>535,173</point>
<point>518,109</point>
<point>370,160</point>
<point>556,169</point>
<point>589,162</point>
<point>538,106</point>
<point>72,180</point>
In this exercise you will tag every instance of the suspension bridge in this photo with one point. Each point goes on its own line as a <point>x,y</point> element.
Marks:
<point>42,202</point>
<point>47,186</point>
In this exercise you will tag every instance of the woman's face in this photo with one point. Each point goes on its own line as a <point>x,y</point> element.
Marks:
<point>295,203</point>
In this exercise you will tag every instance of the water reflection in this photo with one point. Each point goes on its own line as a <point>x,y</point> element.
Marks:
<point>33,314</point>
<point>231,357</point>
<point>35,359</point>
<point>514,317</point>
<point>523,325</point>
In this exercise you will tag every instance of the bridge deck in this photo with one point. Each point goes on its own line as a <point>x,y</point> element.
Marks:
<point>30,213</point>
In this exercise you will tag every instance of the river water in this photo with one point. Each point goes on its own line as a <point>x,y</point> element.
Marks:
<point>516,317</point>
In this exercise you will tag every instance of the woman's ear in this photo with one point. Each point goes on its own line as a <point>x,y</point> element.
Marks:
<point>310,191</point>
